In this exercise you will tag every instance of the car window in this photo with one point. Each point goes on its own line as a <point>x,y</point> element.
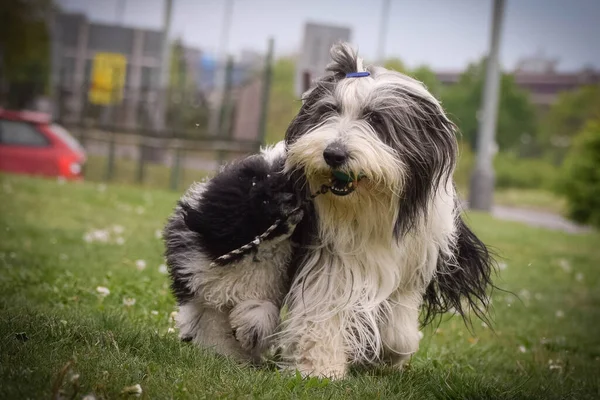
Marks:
<point>19,133</point>
<point>66,137</point>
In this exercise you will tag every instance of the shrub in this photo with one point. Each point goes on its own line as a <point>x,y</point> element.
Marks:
<point>511,171</point>
<point>580,181</point>
<point>524,173</point>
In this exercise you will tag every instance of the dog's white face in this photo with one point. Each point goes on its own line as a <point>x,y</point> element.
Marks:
<point>377,137</point>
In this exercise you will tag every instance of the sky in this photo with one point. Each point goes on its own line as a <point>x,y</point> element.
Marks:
<point>447,35</point>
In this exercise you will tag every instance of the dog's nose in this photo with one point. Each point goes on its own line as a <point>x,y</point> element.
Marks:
<point>335,155</point>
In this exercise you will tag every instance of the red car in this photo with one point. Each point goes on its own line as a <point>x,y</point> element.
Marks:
<point>30,143</point>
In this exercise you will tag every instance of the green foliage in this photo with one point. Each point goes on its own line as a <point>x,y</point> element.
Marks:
<point>510,170</point>
<point>517,121</point>
<point>187,109</point>
<point>524,173</point>
<point>426,75</point>
<point>283,103</point>
<point>581,178</point>
<point>24,49</point>
<point>395,64</point>
<point>567,117</point>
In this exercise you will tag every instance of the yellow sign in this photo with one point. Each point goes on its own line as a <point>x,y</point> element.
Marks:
<point>108,78</point>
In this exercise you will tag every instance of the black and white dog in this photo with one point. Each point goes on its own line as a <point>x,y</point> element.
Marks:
<point>353,266</point>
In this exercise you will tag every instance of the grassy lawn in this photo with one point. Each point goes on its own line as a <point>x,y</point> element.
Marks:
<point>535,199</point>
<point>64,246</point>
<point>156,176</point>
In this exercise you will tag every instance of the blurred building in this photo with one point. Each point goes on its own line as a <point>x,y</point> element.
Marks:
<point>77,40</point>
<point>314,56</point>
<point>539,76</point>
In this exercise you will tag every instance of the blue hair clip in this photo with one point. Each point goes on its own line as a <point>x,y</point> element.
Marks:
<point>357,74</point>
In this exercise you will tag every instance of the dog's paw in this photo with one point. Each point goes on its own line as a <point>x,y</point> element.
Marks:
<point>333,372</point>
<point>253,322</point>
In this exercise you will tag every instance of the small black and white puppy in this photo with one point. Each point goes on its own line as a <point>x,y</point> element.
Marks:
<point>354,266</point>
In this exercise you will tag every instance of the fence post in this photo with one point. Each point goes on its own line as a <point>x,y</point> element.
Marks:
<point>110,163</point>
<point>176,168</point>
<point>262,127</point>
<point>225,112</point>
<point>139,177</point>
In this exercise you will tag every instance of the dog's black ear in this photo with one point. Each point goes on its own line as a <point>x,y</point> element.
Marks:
<point>462,281</point>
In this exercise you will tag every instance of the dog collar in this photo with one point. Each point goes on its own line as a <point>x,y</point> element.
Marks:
<point>358,74</point>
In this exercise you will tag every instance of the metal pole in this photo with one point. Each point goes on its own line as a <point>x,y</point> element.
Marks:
<point>262,128</point>
<point>385,13</point>
<point>482,181</point>
<point>220,73</point>
<point>164,68</point>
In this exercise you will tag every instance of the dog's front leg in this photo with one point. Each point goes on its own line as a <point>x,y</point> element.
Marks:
<point>400,330</point>
<point>320,350</point>
<point>253,323</point>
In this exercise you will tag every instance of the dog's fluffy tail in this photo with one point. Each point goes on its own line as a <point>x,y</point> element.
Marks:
<point>462,280</point>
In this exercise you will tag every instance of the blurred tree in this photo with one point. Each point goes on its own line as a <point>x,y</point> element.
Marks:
<point>567,117</point>
<point>426,75</point>
<point>396,64</point>
<point>187,109</point>
<point>283,103</point>
<point>580,181</point>
<point>24,49</point>
<point>517,120</point>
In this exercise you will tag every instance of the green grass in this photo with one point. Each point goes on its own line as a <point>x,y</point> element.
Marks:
<point>156,176</point>
<point>546,344</point>
<point>535,199</point>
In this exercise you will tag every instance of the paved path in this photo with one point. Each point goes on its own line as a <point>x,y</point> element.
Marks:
<point>540,219</point>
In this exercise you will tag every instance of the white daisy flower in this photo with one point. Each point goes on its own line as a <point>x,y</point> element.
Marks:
<point>522,349</point>
<point>140,265</point>
<point>128,301</point>
<point>162,268</point>
<point>103,291</point>
<point>154,312</point>
<point>565,264</point>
